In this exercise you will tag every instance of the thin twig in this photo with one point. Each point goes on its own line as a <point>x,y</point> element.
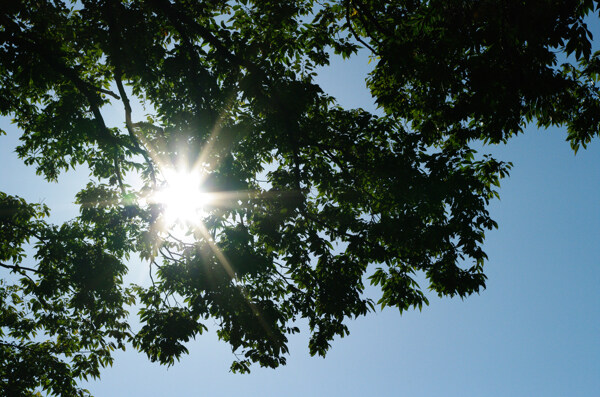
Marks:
<point>356,36</point>
<point>108,92</point>
<point>17,268</point>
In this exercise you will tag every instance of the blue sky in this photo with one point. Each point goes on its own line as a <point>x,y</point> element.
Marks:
<point>535,331</point>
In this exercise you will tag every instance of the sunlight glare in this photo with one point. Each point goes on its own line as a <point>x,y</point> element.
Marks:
<point>182,197</point>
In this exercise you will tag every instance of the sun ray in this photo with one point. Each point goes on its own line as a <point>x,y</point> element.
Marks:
<point>229,269</point>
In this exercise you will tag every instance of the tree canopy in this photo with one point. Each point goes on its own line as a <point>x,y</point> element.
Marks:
<point>308,201</point>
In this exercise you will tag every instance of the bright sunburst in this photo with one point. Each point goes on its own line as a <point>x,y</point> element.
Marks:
<point>182,196</point>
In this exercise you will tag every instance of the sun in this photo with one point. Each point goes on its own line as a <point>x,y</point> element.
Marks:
<point>182,197</point>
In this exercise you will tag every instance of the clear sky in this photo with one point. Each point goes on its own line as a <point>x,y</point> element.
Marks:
<point>535,331</point>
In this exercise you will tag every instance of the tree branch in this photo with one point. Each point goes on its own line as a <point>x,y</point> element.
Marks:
<point>130,126</point>
<point>356,36</point>
<point>118,74</point>
<point>17,268</point>
<point>108,92</point>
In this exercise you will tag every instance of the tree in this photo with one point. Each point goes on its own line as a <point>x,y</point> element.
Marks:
<point>309,200</point>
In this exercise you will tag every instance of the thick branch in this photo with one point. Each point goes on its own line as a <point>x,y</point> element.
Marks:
<point>130,126</point>
<point>118,74</point>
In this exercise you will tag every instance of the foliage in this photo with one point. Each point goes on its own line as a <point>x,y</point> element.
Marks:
<point>312,199</point>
